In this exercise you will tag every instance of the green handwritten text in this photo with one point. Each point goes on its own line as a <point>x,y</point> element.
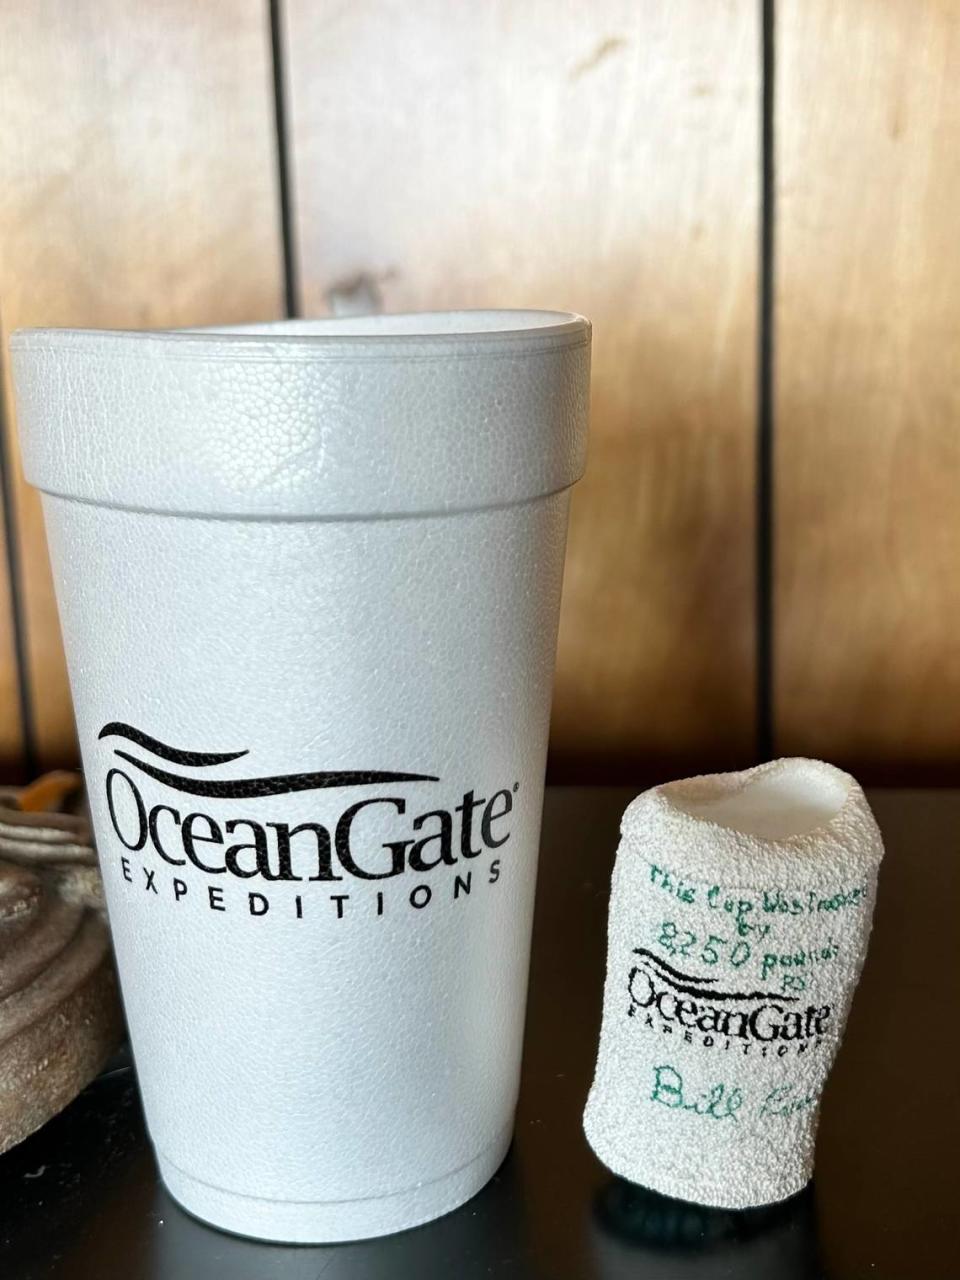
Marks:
<point>720,1102</point>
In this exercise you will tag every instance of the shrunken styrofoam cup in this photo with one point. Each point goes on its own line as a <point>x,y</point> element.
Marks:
<point>308,577</point>
<point>740,914</point>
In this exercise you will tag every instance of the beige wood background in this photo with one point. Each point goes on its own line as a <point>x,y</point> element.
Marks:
<point>604,157</point>
<point>11,733</point>
<point>137,188</point>
<point>868,403</point>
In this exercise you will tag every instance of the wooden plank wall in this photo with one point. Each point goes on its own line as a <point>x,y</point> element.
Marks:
<point>605,157</point>
<point>601,158</point>
<point>868,403</point>
<point>12,755</point>
<point>138,162</point>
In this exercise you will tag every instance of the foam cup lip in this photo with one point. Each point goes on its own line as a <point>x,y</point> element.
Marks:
<point>773,822</point>
<point>418,414</point>
<point>398,335</point>
<point>791,797</point>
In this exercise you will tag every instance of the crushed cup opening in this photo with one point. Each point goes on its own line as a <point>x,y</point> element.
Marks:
<point>790,798</point>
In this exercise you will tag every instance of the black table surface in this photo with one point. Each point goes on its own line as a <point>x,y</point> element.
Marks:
<point>80,1199</point>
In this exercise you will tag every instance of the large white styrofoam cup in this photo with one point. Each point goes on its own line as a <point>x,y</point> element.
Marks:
<point>308,577</point>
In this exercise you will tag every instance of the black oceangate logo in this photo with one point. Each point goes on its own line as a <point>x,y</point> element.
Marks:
<point>219,839</point>
<point>701,1012</point>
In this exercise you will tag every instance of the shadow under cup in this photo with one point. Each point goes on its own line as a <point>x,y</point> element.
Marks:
<point>308,577</point>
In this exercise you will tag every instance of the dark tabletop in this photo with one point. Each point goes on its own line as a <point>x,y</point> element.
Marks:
<point>80,1199</point>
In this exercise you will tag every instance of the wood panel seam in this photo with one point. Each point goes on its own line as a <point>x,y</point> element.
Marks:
<point>291,283</point>
<point>14,581</point>
<point>765,656</point>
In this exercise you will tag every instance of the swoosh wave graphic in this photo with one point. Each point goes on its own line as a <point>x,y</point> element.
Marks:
<point>281,784</point>
<point>662,964</point>
<point>706,994</point>
<point>196,759</point>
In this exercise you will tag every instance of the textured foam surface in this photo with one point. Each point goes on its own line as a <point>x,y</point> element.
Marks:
<point>739,918</point>
<point>308,418</point>
<point>313,708</point>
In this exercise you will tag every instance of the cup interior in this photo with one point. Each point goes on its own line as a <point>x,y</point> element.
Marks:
<point>792,799</point>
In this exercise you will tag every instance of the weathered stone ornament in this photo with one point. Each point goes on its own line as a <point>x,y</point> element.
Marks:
<point>739,918</point>
<point>60,1013</point>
